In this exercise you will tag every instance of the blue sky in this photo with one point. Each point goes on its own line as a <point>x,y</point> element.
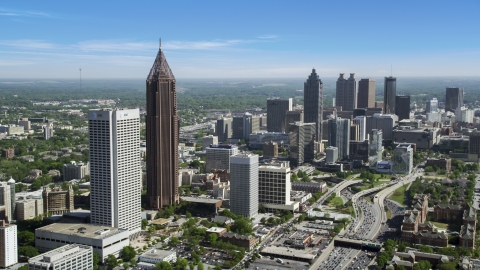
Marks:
<point>239,39</point>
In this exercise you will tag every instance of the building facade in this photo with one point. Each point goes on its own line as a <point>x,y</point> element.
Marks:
<point>453,98</point>
<point>339,136</point>
<point>432,105</point>
<point>28,209</point>
<point>67,257</point>
<point>375,148</point>
<point>292,117</point>
<point>270,149</point>
<point>276,112</point>
<point>162,124</point>
<point>75,170</point>
<point>274,187</point>
<point>209,140</point>
<point>218,156</point>
<point>313,103</point>
<point>115,172</point>
<point>302,142</point>
<point>361,121</point>
<point>8,244</point>
<point>403,159</point>
<point>389,93</point>
<point>366,93</point>
<point>346,92</point>
<point>331,154</point>
<point>223,129</point>
<point>383,122</point>
<point>6,200</point>
<point>57,201</point>
<point>244,185</point>
<point>402,107</point>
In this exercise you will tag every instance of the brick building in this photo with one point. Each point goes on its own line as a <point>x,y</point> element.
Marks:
<point>311,187</point>
<point>447,212</point>
<point>241,240</point>
<point>442,163</point>
<point>57,201</point>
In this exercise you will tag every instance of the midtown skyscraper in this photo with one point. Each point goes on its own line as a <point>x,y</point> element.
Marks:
<point>162,135</point>
<point>366,93</point>
<point>313,103</point>
<point>389,93</point>
<point>453,98</point>
<point>346,94</point>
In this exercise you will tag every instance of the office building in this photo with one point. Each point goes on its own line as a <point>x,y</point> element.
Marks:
<point>223,129</point>
<point>331,154</point>
<point>244,185</point>
<point>251,124</point>
<point>313,103</point>
<point>302,142</point>
<point>358,150</point>
<point>474,144</point>
<point>270,149</point>
<point>104,240</point>
<point>441,163</point>
<point>402,159</point>
<point>23,122</point>
<point>162,124</point>
<point>237,127</point>
<point>463,114</point>
<point>292,117</point>
<point>375,148</point>
<point>384,122</point>
<point>11,184</point>
<point>28,208</point>
<point>432,105</point>
<point>389,93</point>
<point>8,244</point>
<point>75,170</point>
<point>339,136</point>
<point>453,98</point>
<point>423,138</point>
<point>57,201</point>
<point>366,93</point>
<point>79,257</point>
<point>276,112</point>
<point>402,107</point>
<point>257,139</point>
<point>218,156</point>
<point>209,140</point>
<point>150,258</point>
<point>354,132</point>
<point>274,187</point>
<point>361,121</point>
<point>346,92</point>
<point>6,200</point>
<point>115,172</point>
<point>434,117</point>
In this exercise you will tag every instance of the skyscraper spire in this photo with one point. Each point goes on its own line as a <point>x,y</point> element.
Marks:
<point>160,44</point>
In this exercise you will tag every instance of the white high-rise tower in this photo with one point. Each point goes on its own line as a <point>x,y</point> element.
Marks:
<point>115,179</point>
<point>244,185</point>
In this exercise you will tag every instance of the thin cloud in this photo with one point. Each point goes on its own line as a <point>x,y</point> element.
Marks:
<point>27,43</point>
<point>202,45</point>
<point>24,13</point>
<point>268,36</point>
<point>113,46</point>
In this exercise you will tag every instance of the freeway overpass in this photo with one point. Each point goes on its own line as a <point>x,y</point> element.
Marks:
<point>358,244</point>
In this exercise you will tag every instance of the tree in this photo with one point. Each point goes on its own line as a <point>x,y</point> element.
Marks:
<point>242,226</point>
<point>126,265</point>
<point>28,251</point>
<point>195,257</point>
<point>96,259</point>
<point>401,267</point>
<point>217,267</point>
<point>200,266</point>
<point>426,249</point>
<point>174,241</point>
<point>212,238</point>
<point>422,265</point>
<point>191,266</point>
<point>111,262</point>
<point>163,266</point>
<point>181,263</point>
<point>26,237</point>
<point>447,266</point>
<point>128,253</point>
<point>144,223</point>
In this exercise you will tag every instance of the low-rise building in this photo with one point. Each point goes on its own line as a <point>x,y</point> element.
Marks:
<point>75,170</point>
<point>442,163</point>
<point>148,259</point>
<point>67,257</point>
<point>241,240</point>
<point>311,187</point>
<point>216,230</point>
<point>57,201</point>
<point>28,208</point>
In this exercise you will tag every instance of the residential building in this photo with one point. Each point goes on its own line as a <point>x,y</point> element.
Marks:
<point>389,93</point>
<point>276,112</point>
<point>402,107</point>
<point>66,257</point>
<point>366,93</point>
<point>104,240</point>
<point>402,159</point>
<point>453,98</point>
<point>223,129</point>
<point>6,200</point>
<point>149,258</point>
<point>302,138</point>
<point>209,140</point>
<point>346,92</point>
<point>28,208</point>
<point>339,136</point>
<point>115,172</point>
<point>162,124</point>
<point>244,185</point>
<point>432,105</point>
<point>331,154</point>
<point>313,103</point>
<point>270,149</point>
<point>274,187</point>
<point>218,156</point>
<point>75,170</point>
<point>57,201</point>
<point>361,121</point>
<point>441,163</point>
<point>463,114</point>
<point>11,184</point>
<point>292,117</point>
<point>8,244</point>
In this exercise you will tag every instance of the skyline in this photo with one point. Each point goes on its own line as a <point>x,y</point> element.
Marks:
<point>238,40</point>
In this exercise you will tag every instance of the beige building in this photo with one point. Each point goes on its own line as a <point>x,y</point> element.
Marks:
<point>29,208</point>
<point>57,201</point>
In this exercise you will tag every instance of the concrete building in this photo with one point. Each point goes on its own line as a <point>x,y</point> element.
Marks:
<point>339,136</point>
<point>274,187</point>
<point>8,153</point>
<point>48,131</point>
<point>346,92</point>
<point>473,143</point>
<point>115,172</point>
<point>402,159</point>
<point>257,139</point>
<point>424,138</point>
<point>302,147</point>
<point>11,129</point>
<point>432,105</point>
<point>310,187</point>
<point>28,208</point>
<point>162,127</point>
<point>354,132</point>
<point>383,122</point>
<point>463,114</point>
<point>375,149</point>
<point>223,129</point>
<point>434,117</point>
<point>209,140</point>
<point>389,93</point>
<point>366,93</point>
<point>453,98</point>
<point>270,149</point>
<point>361,121</point>
<point>104,240</point>
<point>6,200</point>
<point>8,244</point>
<point>251,124</point>
<point>67,257</point>
<point>218,156</point>
<point>149,258</point>
<point>57,201</point>
<point>313,103</point>
<point>292,117</point>
<point>244,185</point>
<point>331,154</point>
<point>75,170</point>
<point>402,107</point>
<point>276,112</point>
<point>23,122</point>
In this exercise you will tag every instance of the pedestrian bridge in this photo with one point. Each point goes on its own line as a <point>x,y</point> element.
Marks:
<point>358,244</point>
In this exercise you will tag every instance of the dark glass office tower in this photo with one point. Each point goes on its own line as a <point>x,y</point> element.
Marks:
<point>346,92</point>
<point>162,135</point>
<point>453,98</point>
<point>313,103</point>
<point>366,93</point>
<point>402,107</point>
<point>389,93</point>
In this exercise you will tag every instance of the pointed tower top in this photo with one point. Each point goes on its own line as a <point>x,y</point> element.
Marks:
<point>160,68</point>
<point>160,44</point>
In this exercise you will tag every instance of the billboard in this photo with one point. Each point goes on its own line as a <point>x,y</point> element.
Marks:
<point>383,166</point>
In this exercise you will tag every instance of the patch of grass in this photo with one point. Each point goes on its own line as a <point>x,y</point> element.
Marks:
<point>399,195</point>
<point>389,213</point>
<point>336,201</point>
<point>368,199</point>
<point>440,225</point>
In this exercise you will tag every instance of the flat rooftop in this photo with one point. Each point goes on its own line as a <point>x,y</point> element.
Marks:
<point>157,253</point>
<point>200,200</point>
<point>290,252</point>
<point>82,229</point>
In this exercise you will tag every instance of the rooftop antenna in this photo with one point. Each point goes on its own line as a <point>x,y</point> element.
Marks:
<point>391,70</point>
<point>80,78</point>
<point>160,45</point>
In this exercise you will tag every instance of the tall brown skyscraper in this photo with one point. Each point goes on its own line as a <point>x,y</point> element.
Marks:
<point>366,93</point>
<point>162,135</point>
